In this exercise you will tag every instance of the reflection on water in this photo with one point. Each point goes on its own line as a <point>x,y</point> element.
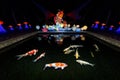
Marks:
<point>59,38</point>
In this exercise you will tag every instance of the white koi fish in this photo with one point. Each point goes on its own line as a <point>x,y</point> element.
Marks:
<point>69,51</point>
<point>84,63</point>
<point>66,49</point>
<point>77,54</point>
<point>96,47</point>
<point>75,46</point>
<point>40,56</point>
<point>72,46</point>
<point>29,53</point>
<point>92,54</point>
<point>56,65</point>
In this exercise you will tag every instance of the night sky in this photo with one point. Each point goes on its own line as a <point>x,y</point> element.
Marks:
<point>17,11</point>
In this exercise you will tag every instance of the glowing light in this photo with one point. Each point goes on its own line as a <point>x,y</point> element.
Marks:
<point>92,26</point>
<point>103,26</point>
<point>11,27</point>
<point>68,25</point>
<point>118,30</point>
<point>97,22</point>
<point>1,22</point>
<point>84,27</point>
<point>26,25</point>
<point>25,22</point>
<point>19,26</point>
<point>119,22</point>
<point>2,30</point>
<point>37,27</point>
<point>30,26</point>
<point>111,28</point>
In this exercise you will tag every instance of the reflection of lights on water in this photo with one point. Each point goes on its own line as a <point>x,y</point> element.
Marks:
<point>73,38</point>
<point>39,38</point>
<point>82,37</point>
<point>59,41</point>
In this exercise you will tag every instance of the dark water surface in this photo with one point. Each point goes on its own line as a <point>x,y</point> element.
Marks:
<point>106,60</point>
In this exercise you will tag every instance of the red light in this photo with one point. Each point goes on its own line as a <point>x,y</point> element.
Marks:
<point>25,22</point>
<point>97,22</point>
<point>119,22</point>
<point>1,22</point>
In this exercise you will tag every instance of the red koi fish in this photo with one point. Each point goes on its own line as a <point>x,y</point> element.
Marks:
<point>29,53</point>
<point>56,65</point>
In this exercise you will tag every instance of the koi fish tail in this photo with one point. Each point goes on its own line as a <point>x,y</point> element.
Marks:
<point>92,65</point>
<point>20,56</point>
<point>44,68</point>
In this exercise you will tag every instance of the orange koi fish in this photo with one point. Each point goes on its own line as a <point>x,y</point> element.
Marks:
<point>56,65</point>
<point>29,53</point>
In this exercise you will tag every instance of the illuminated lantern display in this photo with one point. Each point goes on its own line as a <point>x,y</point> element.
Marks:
<point>11,28</point>
<point>96,24</point>
<point>26,25</point>
<point>111,28</point>
<point>19,26</point>
<point>118,29</point>
<point>2,30</point>
<point>30,26</point>
<point>103,26</point>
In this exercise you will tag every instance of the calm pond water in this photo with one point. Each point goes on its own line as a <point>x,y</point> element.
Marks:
<point>106,60</point>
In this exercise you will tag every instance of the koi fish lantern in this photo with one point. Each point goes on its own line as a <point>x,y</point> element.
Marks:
<point>58,18</point>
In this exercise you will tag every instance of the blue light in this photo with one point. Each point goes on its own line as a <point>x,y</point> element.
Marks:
<point>110,29</point>
<point>118,30</point>
<point>96,26</point>
<point>26,26</point>
<point>20,27</point>
<point>11,28</point>
<point>102,27</point>
<point>2,30</point>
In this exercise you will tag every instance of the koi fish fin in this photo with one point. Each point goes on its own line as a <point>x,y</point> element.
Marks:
<point>45,67</point>
<point>19,57</point>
